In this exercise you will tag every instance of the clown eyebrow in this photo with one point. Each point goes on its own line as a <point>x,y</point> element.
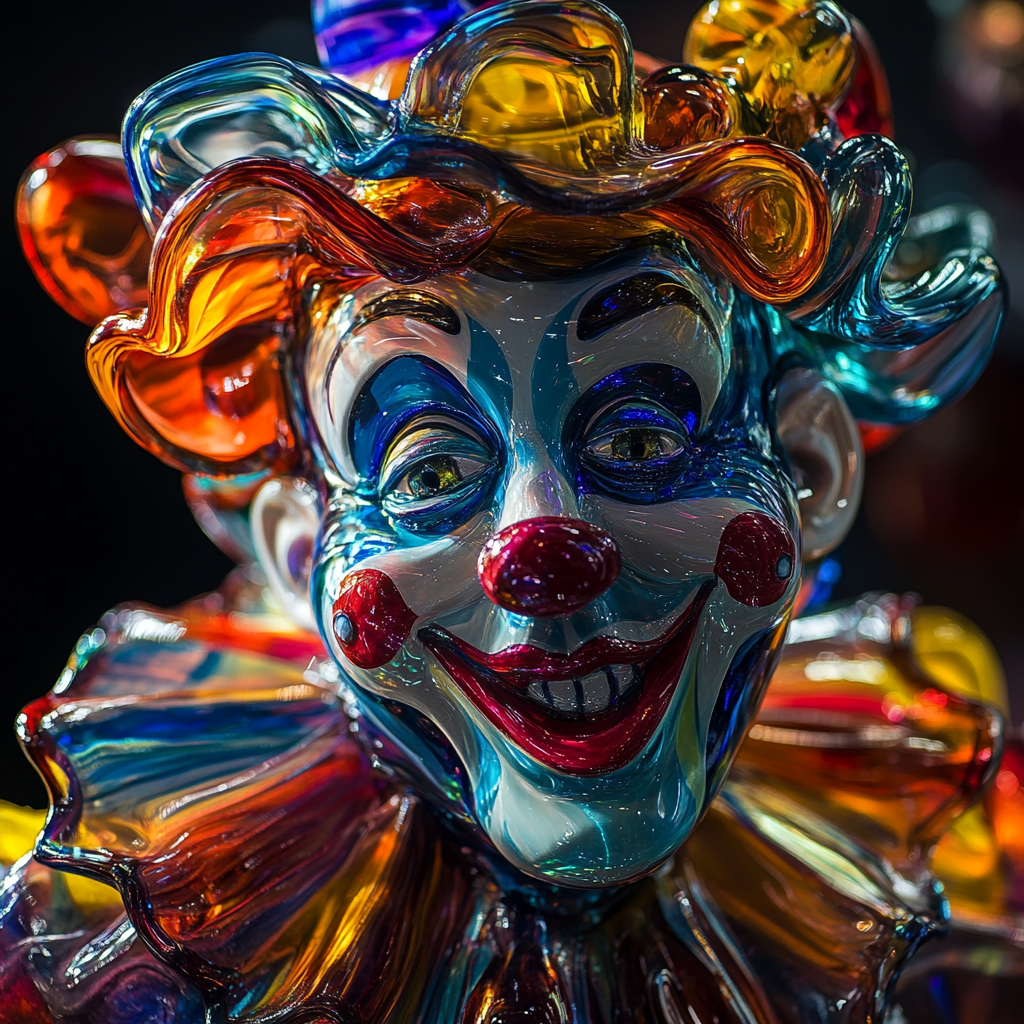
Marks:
<point>422,306</point>
<point>628,299</point>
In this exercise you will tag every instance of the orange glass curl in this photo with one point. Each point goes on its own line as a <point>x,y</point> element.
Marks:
<point>81,230</point>
<point>683,105</point>
<point>196,377</point>
<point>766,199</point>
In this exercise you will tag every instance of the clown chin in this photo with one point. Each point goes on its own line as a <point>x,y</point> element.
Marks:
<point>595,831</point>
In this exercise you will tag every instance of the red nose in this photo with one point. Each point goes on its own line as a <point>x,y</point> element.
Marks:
<point>548,566</point>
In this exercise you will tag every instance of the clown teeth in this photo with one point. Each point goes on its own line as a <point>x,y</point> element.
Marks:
<point>584,695</point>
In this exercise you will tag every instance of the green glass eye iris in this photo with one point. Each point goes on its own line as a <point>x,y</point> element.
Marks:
<point>639,444</point>
<point>433,476</point>
<point>636,444</point>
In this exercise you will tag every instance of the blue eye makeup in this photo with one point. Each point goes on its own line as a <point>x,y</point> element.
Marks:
<point>435,475</point>
<point>629,435</point>
<point>422,446</point>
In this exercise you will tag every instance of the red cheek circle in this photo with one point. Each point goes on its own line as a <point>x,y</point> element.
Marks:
<point>371,621</point>
<point>756,559</point>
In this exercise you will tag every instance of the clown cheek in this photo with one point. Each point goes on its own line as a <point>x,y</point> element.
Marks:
<point>756,559</point>
<point>371,620</point>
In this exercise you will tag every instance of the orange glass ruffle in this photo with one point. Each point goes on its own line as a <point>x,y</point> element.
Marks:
<point>81,230</point>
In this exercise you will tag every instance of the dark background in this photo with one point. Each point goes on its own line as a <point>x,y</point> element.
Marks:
<point>94,520</point>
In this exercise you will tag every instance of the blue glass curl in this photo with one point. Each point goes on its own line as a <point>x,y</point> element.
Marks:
<point>900,340</point>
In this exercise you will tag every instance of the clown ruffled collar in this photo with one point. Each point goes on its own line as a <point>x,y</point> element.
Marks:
<point>256,857</point>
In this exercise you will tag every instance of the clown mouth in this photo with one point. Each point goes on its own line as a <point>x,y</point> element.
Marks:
<point>587,712</point>
<point>585,695</point>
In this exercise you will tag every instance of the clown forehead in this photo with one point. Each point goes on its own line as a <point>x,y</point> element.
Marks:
<point>523,350</point>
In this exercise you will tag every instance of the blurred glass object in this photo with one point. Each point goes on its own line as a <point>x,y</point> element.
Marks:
<point>81,230</point>
<point>982,58</point>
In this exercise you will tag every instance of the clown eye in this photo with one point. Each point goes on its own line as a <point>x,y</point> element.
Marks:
<point>633,433</point>
<point>432,477</point>
<point>631,436</point>
<point>435,475</point>
<point>636,444</point>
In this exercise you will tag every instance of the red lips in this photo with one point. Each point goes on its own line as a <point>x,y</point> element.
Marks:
<point>554,566</point>
<point>496,685</point>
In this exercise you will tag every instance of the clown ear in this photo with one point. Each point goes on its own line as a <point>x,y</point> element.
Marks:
<point>825,455</point>
<point>81,230</point>
<point>285,521</point>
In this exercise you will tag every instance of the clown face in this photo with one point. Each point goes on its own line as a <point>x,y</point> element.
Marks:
<point>559,549</point>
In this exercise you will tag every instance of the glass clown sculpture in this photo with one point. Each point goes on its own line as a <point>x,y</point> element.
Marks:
<point>528,381</point>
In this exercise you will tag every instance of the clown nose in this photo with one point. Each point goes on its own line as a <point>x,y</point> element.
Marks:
<point>548,566</point>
